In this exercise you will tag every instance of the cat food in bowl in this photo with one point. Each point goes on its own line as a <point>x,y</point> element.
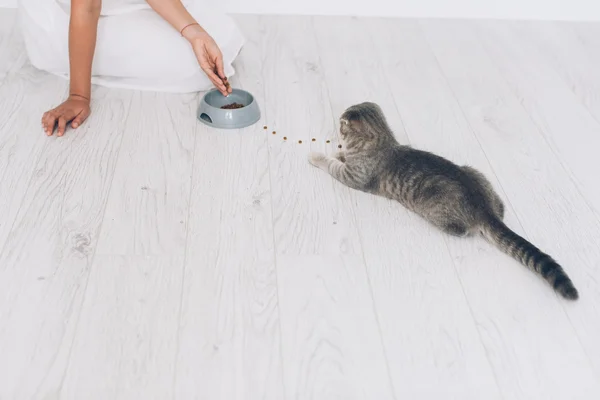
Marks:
<point>232,106</point>
<point>238,110</point>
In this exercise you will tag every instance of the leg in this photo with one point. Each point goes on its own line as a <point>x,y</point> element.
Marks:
<point>340,155</point>
<point>495,200</point>
<point>134,50</point>
<point>44,26</point>
<point>338,170</point>
<point>448,223</point>
<point>455,229</point>
<point>157,57</point>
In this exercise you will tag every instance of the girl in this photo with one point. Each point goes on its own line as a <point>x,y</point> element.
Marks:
<point>173,46</point>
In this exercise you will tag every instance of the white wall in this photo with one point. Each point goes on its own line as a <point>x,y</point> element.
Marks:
<point>513,9</point>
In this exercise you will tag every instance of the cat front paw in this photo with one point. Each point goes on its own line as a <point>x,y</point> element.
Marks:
<point>341,156</point>
<point>317,159</point>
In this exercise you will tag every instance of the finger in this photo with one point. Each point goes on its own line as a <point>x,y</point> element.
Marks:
<point>220,69</point>
<point>46,120</point>
<point>62,124</point>
<point>50,124</point>
<point>224,91</point>
<point>82,116</point>
<point>221,72</point>
<point>211,71</point>
<point>228,86</point>
<point>215,80</point>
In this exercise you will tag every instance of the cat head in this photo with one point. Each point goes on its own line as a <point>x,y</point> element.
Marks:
<point>363,124</point>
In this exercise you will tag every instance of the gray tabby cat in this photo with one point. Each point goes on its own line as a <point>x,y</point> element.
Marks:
<point>458,200</point>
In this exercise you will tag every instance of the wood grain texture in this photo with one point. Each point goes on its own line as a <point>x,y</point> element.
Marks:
<point>331,343</point>
<point>229,340</point>
<point>565,124</point>
<point>132,303</point>
<point>563,120</point>
<point>316,238</point>
<point>126,338</point>
<point>542,200</point>
<point>572,58</point>
<point>21,136</point>
<point>148,206</point>
<point>406,279</point>
<point>47,257</point>
<point>434,121</point>
<point>298,107</point>
<point>588,36</point>
<point>148,256</point>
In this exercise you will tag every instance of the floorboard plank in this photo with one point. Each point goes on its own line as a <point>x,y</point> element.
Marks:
<point>315,228</point>
<point>542,196</point>
<point>568,54</point>
<point>142,241</point>
<point>229,341</point>
<point>47,258</point>
<point>414,278</point>
<point>559,115</point>
<point>565,125</point>
<point>126,340</point>
<point>146,255</point>
<point>148,205</point>
<point>22,139</point>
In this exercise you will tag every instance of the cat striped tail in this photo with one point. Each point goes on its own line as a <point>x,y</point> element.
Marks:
<point>495,231</point>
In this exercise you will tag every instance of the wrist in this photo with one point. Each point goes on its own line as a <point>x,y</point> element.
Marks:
<point>80,86</point>
<point>193,31</point>
<point>79,97</point>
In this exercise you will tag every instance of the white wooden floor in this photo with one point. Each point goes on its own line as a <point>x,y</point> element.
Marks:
<point>149,257</point>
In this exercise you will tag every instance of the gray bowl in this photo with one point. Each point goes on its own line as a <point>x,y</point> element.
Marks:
<point>211,113</point>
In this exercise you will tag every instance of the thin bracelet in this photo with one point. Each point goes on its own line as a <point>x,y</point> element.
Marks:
<point>182,29</point>
<point>78,95</point>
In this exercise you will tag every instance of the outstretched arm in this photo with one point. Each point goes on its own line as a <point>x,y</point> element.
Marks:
<point>83,26</point>
<point>207,52</point>
<point>355,178</point>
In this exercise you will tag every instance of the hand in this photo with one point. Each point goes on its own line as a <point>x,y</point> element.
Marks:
<point>209,57</point>
<point>75,110</point>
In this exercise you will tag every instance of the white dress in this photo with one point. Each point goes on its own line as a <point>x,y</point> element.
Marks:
<point>135,47</point>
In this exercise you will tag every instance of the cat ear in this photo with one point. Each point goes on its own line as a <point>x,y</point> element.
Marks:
<point>352,116</point>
